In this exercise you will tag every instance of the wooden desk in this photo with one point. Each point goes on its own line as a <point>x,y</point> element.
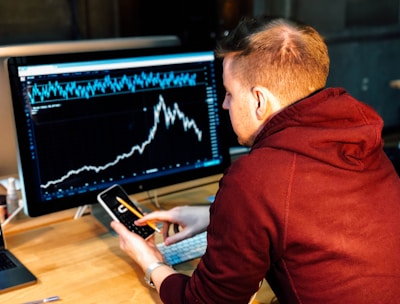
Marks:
<point>80,261</point>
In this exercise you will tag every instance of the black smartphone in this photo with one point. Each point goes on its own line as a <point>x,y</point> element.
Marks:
<point>110,200</point>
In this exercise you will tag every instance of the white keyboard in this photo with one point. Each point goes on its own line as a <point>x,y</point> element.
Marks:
<point>185,250</point>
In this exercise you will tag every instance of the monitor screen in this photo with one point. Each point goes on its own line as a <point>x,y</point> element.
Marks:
<point>141,118</point>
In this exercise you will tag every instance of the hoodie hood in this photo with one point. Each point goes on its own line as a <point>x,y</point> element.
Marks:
<point>329,120</point>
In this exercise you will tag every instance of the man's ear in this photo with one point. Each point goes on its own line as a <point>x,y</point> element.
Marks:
<point>266,102</point>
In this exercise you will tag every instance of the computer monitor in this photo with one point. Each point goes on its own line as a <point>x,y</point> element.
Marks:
<point>142,118</point>
<point>8,154</point>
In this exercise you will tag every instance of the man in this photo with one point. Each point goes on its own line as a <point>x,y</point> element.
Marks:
<point>314,207</point>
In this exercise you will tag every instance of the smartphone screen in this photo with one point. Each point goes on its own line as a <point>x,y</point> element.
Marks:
<point>117,211</point>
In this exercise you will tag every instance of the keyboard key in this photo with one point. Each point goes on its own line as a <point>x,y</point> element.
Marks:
<point>5,262</point>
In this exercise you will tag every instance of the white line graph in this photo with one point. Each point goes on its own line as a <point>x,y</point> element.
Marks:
<point>170,116</point>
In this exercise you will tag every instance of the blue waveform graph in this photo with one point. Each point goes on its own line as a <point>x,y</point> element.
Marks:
<point>85,89</point>
<point>172,115</point>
